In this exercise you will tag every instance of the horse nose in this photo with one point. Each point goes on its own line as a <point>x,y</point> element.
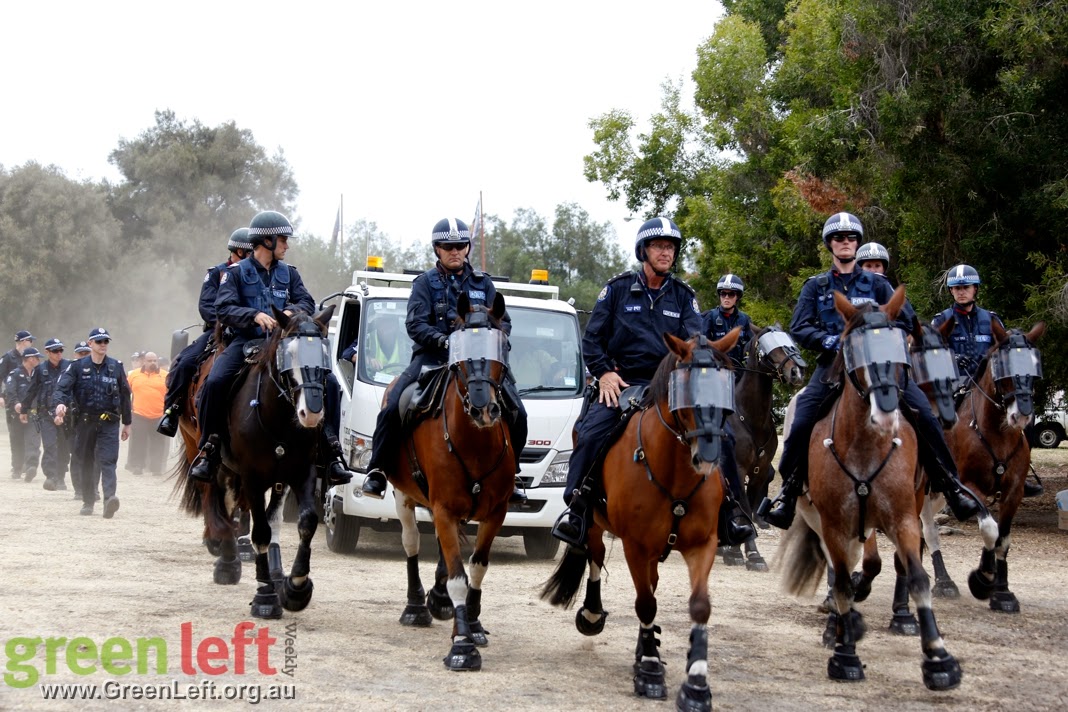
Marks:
<point>494,411</point>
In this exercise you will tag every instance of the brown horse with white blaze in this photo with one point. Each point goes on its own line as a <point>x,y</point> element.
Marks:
<point>862,476</point>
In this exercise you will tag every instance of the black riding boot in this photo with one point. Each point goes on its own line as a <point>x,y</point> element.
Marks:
<point>204,466</point>
<point>374,484</point>
<point>168,425</point>
<point>735,527</point>
<point>780,511</point>
<point>336,471</point>
<point>574,522</point>
<point>962,501</point>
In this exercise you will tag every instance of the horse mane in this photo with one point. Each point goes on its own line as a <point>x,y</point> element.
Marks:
<point>751,347</point>
<point>658,387</point>
<point>264,358</point>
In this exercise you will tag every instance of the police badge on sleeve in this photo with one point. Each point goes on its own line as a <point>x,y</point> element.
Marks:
<point>603,295</point>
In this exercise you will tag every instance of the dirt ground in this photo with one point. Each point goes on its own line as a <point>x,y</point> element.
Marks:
<point>144,574</point>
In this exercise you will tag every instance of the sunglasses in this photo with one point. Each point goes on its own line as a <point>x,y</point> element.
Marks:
<point>726,293</point>
<point>102,341</point>
<point>54,351</point>
<point>451,247</point>
<point>845,238</point>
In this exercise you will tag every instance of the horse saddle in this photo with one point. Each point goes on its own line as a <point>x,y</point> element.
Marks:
<point>630,403</point>
<point>422,396</point>
<point>251,349</point>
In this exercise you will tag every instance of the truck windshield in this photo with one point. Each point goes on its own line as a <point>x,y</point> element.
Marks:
<point>384,347</point>
<point>545,357</point>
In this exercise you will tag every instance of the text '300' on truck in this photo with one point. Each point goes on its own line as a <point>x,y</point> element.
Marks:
<point>545,359</point>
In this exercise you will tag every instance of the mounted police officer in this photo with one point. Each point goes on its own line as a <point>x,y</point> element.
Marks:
<point>37,403</point>
<point>185,365</point>
<point>873,257</point>
<point>818,326</point>
<point>28,437</point>
<point>95,387</point>
<point>718,322</point>
<point>973,333</point>
<point>431,313</point>
<point>9,362</point>
<point>623,346</point>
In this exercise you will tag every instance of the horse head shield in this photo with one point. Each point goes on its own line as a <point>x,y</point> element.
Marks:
<point>934,369</point>
<point>779,351</point>
<point>302,359</point>
<point>1016,363</point>
<point>477,355</point>
<point>705,386</point>
<point>877,351</point>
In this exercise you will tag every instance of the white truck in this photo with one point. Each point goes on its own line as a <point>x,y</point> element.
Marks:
<point>546,360</point>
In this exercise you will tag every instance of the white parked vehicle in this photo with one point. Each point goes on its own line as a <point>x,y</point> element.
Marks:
<point>546,361</point>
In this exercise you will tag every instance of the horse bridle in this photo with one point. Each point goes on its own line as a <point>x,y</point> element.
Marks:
<point>776,369</point>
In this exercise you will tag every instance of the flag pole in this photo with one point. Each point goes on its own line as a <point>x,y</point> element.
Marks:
<point>482,229</point>
<point>341,229</point>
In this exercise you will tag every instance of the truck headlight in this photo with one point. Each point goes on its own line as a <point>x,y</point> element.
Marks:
<point>556,474</point>
<point>359,452</point>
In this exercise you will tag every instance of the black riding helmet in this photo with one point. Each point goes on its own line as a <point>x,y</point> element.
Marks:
<point>266,226</point>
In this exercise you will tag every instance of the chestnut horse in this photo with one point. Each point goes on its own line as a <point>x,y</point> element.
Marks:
<point>459,463</point>
<point>862,476</point>
<point>663,489</point>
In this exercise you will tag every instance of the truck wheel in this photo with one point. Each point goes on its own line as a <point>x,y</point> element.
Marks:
<point>1048,435</point>
<point>540,543</point>
<point>342,533</point>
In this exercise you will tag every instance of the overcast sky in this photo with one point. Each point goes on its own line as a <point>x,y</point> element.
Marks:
<point>406,109</point>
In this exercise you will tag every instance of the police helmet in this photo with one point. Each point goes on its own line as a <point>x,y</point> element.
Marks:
<point>657,229</point>
<point>31,352</point>
<point>451,231</point>
<point>53,344</point>
<point>82,348</point>
<point>239,240</point>
<point>962,275</point>
<point>873,251</point>
<point>267,226</point>
<point>844,223</point>
<point>731,281</point>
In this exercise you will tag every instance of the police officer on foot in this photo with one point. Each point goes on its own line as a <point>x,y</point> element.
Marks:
<point>718,322</point>
<point>37,401</point>
<point>9,362</point>
<point>623,346</point>
<point>816,325</point>
<point>185,365</point>
<point>431,313</point>
<point>29,438</point>
<point>96,387</point>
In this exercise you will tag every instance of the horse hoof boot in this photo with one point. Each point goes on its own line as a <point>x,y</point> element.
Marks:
<point>266,603</point>
<point>294,597</point>
<point>860,628</point>
<point>980,586</point>
<point>463,657</point>
<point>478,634</point>
<point>861,587</point>
<point>945,589</point>
<point>830,631</point>
<point>845,667</point>
<point>587,626</point>
<point>227,573</point>
<point>904,623</point>
<point>245,552</point>
<point>756,562</point>
<point>694,697</point>
<point>214,546</point>
<point>1004,602</point>
<point>440,605</point>
<point>49,484</point>
<point>416,616</point>
<point>941,674</point>
<point>732,556</point>
<point>649,679</point>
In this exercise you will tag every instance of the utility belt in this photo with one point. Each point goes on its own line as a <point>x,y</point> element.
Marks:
<point>105,417</point>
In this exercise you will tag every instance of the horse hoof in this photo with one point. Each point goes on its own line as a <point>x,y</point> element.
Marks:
<point>694,697</point>
<point>941,674</point>
<point>845,668</point>
<point>904,623</point>
<point>416,616</point>
<point>266,604</point>
<point>245,552</point>
<point>1004,602</point>
<point>980,586</point>
<point>588,627</point>
<point>440,605</point>
<point>227,573</point>
<point>755,562</point>
<point>478,634</point>
<point>296,598</point>
<point>861,587</point>
<point>649,680</point>
<point>463,657</point>
<point>945,589</point>
<point>214,546</point>
<point>732,556</point>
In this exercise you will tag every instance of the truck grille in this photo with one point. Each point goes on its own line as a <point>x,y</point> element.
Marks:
<point>531,455</point>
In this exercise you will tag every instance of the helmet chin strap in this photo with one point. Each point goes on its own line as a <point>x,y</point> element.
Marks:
<point>846,260</point>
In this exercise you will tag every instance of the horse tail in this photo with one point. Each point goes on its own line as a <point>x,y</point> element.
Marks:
<point>563,585</point>
<point>803,558</point>
<point>185,489</point>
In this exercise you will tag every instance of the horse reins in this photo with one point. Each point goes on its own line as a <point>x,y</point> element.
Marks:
<point>1000,466</point>
<point>475,482</point>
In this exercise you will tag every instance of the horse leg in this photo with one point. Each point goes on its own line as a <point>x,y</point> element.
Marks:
<point>479,564</point>
<point>266,603</point>
<point>753,560</point>
<point>871,566</point>
<point>940,669</point>
<point>463,656</point>
<point>1002,599</point>
<point>227,566</point>
<point>903,622</point>
<point>297,588</point>
<point>844,665</point>
<point>694,694</point>
<point>437,600</point>
<point>591,616</point>
<point>732,555</point>
<point>415,612</point>
<point>648,670</point>
<point>944,587</point>
<point>981,580</point>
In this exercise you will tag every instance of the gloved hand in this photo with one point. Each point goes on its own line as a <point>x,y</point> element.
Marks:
<point>965,365</point>
<point>443,342</point>
<point>831,343</point>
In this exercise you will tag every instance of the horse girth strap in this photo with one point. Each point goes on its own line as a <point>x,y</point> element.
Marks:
<point>862,488</point>
<point>679,507</point>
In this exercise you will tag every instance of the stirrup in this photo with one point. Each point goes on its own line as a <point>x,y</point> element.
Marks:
<point>203,469</point>
<point>374,484</point>
<point>168,424</point>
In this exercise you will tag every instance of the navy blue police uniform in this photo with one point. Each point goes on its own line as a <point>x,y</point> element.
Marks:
<point>26,441</point>
<point>716,324</point>
<point>38,399</point>
<point>9,362</point>
<point>100,395</point>
<point>431,314</point>
<point>972,335</point>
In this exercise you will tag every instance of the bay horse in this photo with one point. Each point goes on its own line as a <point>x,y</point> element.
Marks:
<point>862,474</point>
<point>993,455</point>
<point>275,413</point>
<point>663,489</point>
<point>459,463</point>
<point>769,356</point>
